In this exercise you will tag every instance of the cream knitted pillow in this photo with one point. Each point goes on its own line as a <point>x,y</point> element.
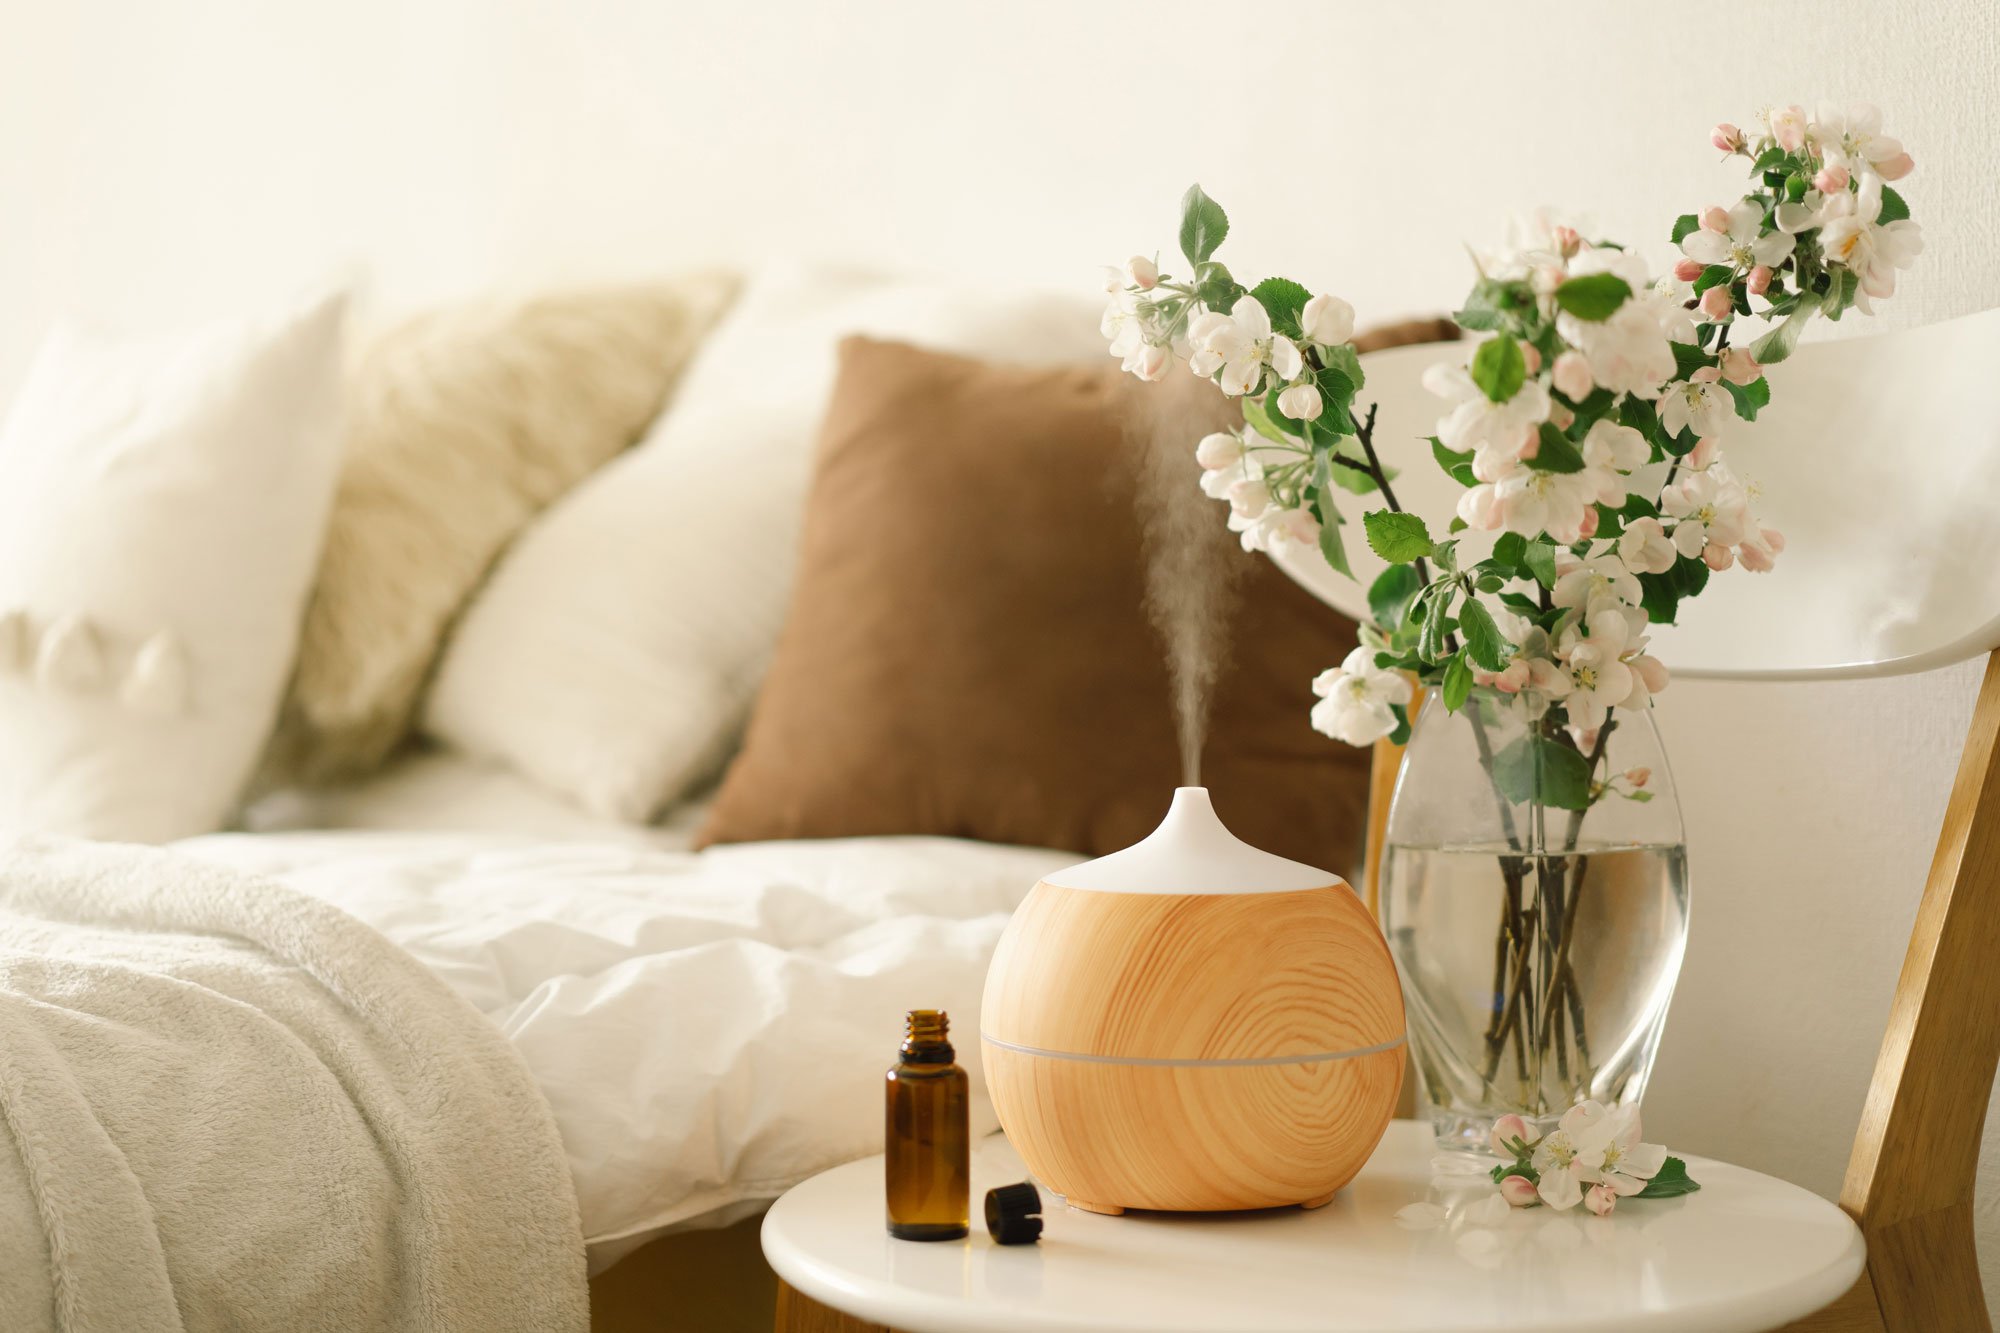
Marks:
<point>463,425</point>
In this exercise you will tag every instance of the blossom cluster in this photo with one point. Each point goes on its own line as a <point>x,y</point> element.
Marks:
<point>1593,1156</point>
<point>1588,425</point>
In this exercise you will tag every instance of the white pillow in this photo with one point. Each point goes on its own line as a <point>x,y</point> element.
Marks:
<point>616,650</point>
<point>161,508</point>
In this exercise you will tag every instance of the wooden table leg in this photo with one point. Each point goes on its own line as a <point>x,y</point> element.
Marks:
<point>803,1314</point>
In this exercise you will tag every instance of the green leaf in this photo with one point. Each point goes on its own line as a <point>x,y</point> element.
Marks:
<point>1778,344</point>
<point>1540,561</point>
<point>1401,735</point>
<point>1483,641</point>
<point>1769,158</point>
<point>1660,597</point>
<point>1476,320</point>
<point>1214,287</point>
<point>1684,224</point>
<point>1436,604</point>
<point>1498,368</point>
<point>1345,360</point>
<point>1749,397</point>
<point>1508,549</point>
<point>1203,225</point>
<point>1282,300</point>
<point>1893,207</point>
<point>1711,276</point>
<point>1670,1181</point>
<point>1457,682</point>
<point>1534,768</point>
<point>1258,412</point>
<point>1556,453</point>
<point>1688,358</point>
<point>1390,595</point>
<point>1396,537</point>
<point>1330,522</point>
<point>1330,518</point>
<point>1593,296</point>
<point>1458,466</point>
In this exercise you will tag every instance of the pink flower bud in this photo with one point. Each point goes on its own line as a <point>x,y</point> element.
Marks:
<point>1727,137</point>
<point>1638,777</point>
<point>1519,1191</point>
<point>1739,367</point>
<point>1600,1199</point>
<point>1688,270</point>
<point>1718,557</point>
<point>1715,218</point>
<point>1702,454</point>
<point>1572,376</point>
<point>1533,357</point>
<point>1897,167</point>
<point>1715,303</point>
<point>1705,375</point>
<point>1588,528</point>
<point>1507,1129</point>
<point>1531,444</point>
<point>1567,241</point>
<point>1143,272</point>
<point>1830,180</point>
<point>1760,280</point>
<point>1560,417</point>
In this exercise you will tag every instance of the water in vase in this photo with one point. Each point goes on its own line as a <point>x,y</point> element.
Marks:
<point>1533,981</point>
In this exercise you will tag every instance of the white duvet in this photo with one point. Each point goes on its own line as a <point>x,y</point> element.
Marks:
<point>709,1028</point>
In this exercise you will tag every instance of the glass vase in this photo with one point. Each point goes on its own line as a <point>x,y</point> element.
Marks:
<point>1534,893</point>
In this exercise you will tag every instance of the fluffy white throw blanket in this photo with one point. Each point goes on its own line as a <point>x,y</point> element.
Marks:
<point>225,1104</point>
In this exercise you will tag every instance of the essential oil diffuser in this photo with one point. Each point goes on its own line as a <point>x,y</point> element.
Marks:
<point>1192,1024</point>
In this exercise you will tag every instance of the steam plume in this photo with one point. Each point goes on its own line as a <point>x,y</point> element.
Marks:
<point>1192,561</point>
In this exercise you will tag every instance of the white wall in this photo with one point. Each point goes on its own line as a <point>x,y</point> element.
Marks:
<point>158,160</point>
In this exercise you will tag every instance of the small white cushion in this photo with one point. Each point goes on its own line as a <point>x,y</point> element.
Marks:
<point>615,651</point>
<point>161,508</point>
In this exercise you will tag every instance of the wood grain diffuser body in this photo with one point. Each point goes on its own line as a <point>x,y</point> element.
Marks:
<point>1193,1024</point>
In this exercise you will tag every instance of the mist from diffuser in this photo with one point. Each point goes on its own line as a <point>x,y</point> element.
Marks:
<point>1193,1024</point>
<point>1192,564</point>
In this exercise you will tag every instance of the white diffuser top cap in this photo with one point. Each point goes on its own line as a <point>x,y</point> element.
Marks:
<point>1191,852</point>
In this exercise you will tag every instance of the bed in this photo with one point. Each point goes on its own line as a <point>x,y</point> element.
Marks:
<point>709,1028</point>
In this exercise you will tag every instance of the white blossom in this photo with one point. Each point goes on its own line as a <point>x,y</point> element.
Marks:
<point>1327,320</point>
<point>1709,508</point>
<point>1587,585</point>
<point>1645,547</point>
<point>1301,401</point>
<point>1851,236</point>
<point>1240,345</point>
<point>1852,137</point>
<point>1218,450</point>
<point>1610,453</point>
<point>1495,433</point>
<point>1699,403</point>
<point>1627,353</point>
<point>1356,698</point>
<point>1744,245</point>
<point>1591,653</point>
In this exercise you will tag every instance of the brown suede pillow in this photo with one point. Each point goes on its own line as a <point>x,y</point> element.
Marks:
<point>967,652</point>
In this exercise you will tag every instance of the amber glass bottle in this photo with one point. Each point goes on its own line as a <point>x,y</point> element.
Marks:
<point>930,1170</point>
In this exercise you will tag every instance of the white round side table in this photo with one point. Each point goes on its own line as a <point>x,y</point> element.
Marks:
<point>1746,1252</point>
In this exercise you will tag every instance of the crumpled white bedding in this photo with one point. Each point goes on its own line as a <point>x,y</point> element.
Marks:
<point>709,1028</point>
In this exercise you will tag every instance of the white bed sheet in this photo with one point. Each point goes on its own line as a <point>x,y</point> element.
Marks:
<point>709,1027</point>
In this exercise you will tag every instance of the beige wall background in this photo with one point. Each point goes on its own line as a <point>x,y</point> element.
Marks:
<point>162,161</point>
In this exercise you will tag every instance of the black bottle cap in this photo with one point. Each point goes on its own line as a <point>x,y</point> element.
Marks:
<point>1013,1214</point>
